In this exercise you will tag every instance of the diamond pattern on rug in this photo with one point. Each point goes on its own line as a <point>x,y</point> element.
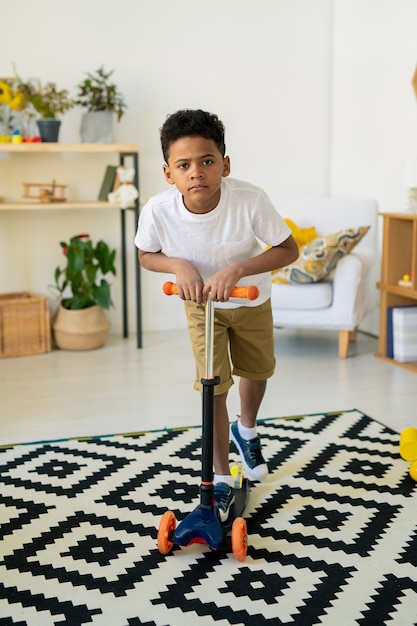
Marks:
<point>332,531</point>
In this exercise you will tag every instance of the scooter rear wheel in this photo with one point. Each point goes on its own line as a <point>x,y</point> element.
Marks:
<point>239,539</point>
<point>166,529</point>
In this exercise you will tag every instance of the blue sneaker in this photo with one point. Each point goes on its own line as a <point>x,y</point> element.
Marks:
<point>224,496</point>
<point>250,453</point>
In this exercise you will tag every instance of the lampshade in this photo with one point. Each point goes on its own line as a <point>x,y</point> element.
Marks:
<point>409,174</point>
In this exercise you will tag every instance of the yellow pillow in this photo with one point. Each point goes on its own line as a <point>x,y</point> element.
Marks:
<point>319,257</point>
<point>301,235</point>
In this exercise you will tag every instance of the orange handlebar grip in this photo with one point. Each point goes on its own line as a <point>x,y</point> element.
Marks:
<point>170,289</point>
<point>251,292</point>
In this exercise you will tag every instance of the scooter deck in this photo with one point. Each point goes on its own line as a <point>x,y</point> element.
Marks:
<point>239,505</point>
<point>203,526</point>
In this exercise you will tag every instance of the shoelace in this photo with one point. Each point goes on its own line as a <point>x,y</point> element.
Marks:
<point>254,450</point>
<point>221,497</point>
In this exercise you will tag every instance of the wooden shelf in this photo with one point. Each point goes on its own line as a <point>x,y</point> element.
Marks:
<point>399,257</point>
<point>41,206</point>
<point>30,148</point>
<point>405,292</point>
<point>123,150</point>
<point>411,366</point>
<point>56,148</point>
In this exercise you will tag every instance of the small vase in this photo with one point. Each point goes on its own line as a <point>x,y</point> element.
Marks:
<point>81,329</point>
<point>97,127</point>
<point>49,129</point>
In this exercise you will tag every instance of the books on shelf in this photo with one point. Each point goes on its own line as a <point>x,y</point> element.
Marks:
<point>110,182</point>
<point>402,333</point>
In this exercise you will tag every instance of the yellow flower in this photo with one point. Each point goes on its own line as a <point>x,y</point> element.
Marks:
<point>11,96</point>
<point>5,92</point>
<point>17,102</point>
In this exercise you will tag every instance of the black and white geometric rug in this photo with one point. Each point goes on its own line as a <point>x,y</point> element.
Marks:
<point>332,532</point>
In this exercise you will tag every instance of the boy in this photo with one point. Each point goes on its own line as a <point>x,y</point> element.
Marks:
<point>207,231</point>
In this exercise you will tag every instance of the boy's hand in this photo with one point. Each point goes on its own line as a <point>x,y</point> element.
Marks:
<point>189,283</point>
<point>188,279</point>
<point>221,284</point>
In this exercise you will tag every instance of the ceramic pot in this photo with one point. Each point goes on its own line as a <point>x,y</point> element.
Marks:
<point>97,127</point>
<point>82,329</point>
<point>49,129</point>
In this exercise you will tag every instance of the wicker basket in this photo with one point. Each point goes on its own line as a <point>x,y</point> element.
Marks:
<point>25,326</point>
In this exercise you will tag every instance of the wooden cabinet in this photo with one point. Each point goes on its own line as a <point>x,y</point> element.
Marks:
<point>399,257</point>
<point>123,151</point>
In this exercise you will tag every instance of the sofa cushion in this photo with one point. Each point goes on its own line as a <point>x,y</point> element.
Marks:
<point>302,297</point>
<point>319,257</point>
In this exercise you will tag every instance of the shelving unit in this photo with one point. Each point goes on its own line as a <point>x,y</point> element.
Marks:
<point>123,151</point>
<point>399,257</point>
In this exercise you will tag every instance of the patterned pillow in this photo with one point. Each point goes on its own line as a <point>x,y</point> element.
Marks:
<point>319,257</point>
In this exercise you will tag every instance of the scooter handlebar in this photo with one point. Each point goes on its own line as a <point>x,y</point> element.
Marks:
<point>251,292</point>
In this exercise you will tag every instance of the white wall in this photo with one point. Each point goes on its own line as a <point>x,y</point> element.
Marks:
<point>375,108</point>
<point>315,96</point>
<point>374,126</point>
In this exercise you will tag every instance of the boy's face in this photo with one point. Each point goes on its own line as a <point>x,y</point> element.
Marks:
<point>196,167</point>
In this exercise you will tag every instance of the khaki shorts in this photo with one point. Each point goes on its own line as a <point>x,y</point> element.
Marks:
<point>243,343</point>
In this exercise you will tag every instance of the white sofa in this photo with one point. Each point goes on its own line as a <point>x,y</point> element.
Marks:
<point>341,301</point>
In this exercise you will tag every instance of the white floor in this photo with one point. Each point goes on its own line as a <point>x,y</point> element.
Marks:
<point>120,389</point>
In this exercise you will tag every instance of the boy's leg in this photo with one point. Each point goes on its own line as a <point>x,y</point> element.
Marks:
<point>243,430</point>
<point>223,480</point>
<point>251,395</point>
<point>221,436</point>
<point>252,349</point>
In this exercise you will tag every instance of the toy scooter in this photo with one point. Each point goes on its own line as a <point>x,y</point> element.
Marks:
<point>202,525</point>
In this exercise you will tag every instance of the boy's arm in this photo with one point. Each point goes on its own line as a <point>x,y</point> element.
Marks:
<point>188,279</point>
<point>222,282</point>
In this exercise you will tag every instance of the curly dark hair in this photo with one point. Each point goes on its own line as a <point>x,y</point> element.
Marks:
<point>192,123</point>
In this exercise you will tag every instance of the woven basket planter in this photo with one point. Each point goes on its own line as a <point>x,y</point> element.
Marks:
<point>84,329</point>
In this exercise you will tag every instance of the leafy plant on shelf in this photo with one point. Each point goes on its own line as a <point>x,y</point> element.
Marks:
<point>85,273</point>
<point>98,93</point>
<point>47,100</point>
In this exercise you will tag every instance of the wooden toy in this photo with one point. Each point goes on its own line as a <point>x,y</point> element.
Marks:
<point>46,192</point>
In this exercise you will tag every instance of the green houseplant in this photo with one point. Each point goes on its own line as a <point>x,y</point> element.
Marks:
<point>101,99</point>
<point>48,103</point>
<point>84,274</point>
<point>84,291</point>
<point>98,93</point>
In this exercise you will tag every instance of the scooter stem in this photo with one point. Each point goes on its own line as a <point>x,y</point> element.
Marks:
<point>209,381</point>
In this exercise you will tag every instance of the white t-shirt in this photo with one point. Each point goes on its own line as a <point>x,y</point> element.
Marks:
<point>239,227</point>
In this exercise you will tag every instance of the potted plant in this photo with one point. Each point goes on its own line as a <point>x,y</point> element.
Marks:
<point>84,291</point>
<point>48,103</point>
<point>102,100</point>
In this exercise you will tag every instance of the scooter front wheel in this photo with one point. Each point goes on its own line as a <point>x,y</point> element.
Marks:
<point>239,539</point>
<point>166,529</point>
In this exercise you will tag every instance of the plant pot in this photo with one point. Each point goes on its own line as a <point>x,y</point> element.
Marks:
<point>97,127</point>
<point>49,129</point>
<point>83,329</point>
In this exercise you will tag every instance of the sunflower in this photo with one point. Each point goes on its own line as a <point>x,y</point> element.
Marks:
<point>5,92</point>
<point>10,96</point>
